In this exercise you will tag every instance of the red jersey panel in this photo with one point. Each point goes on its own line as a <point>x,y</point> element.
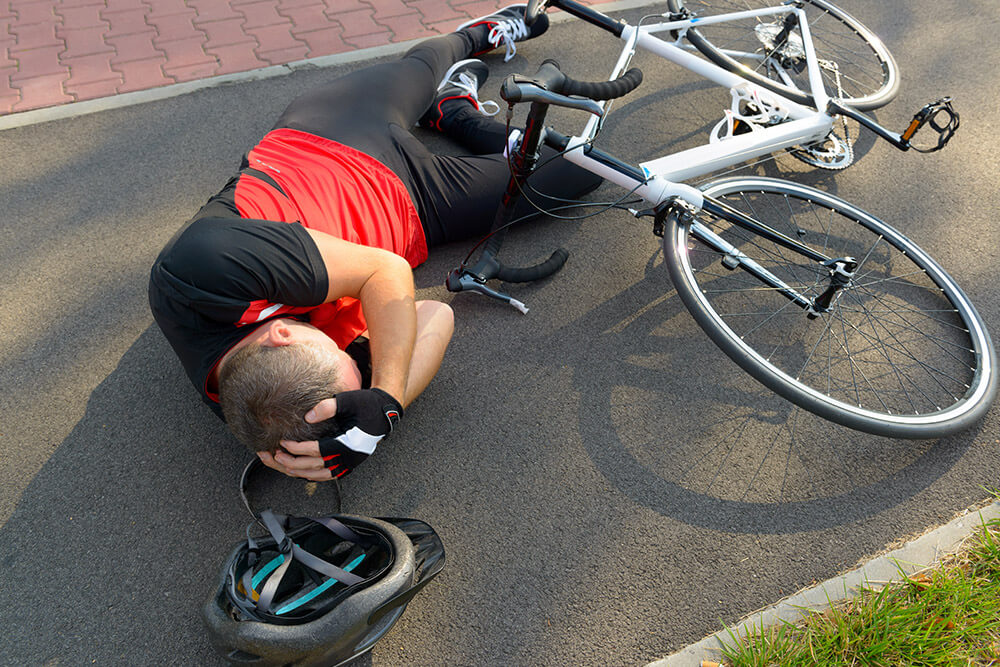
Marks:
<point>334,189</point>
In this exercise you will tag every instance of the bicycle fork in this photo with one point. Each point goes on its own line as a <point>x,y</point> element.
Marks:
<point>841,270</point>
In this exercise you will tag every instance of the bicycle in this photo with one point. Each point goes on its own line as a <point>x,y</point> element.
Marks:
<point>823,303</point>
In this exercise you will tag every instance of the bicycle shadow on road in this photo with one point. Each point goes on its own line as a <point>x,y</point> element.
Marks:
<point>677,427</point>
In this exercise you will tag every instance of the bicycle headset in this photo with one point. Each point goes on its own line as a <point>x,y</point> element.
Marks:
<point>317,590</point>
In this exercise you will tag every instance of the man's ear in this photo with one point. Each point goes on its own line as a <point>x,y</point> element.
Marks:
<point>277,334</point>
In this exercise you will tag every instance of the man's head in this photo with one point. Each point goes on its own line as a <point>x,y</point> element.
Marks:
<point>274,376</point>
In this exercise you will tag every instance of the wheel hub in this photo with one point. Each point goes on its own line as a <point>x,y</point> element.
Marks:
<point>791,48</point>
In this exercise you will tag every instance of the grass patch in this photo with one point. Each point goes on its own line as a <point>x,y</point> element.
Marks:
<point>945,615</point>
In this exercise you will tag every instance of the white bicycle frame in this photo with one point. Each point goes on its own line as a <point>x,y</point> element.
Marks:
<point>804,125</point>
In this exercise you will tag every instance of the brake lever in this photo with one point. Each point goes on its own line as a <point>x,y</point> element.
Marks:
<point>461,280</point>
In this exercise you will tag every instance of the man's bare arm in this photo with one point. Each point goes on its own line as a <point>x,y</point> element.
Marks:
<point>383,282</point>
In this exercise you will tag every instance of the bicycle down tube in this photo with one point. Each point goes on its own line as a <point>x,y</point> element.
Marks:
<point>657,190</point>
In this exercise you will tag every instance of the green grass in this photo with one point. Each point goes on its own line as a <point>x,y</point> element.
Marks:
<point>949,615</point>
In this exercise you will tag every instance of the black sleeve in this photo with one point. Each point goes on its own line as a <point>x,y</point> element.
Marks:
<point>225,262</point>
<point>211,272</point>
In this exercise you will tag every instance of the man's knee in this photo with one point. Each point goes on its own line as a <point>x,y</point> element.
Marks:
<point>435,318</point>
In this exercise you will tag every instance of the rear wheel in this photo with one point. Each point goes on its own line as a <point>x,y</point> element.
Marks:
<point>855,65</point>
<point>900,352</point>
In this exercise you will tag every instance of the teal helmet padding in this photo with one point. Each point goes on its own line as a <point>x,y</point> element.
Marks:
<point>311,621</point>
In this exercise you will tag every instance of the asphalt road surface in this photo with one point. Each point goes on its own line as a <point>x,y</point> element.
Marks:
<point>609,487</point>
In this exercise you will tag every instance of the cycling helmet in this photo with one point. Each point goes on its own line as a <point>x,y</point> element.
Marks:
<point>318,590</point>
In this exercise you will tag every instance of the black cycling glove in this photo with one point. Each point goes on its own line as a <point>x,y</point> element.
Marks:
<point>364,417</point>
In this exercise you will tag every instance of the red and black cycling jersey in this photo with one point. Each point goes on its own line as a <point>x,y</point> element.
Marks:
<point>246,258</point>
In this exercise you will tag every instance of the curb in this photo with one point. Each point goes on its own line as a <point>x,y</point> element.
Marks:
<point>915,555</point>
<point>72,110</point>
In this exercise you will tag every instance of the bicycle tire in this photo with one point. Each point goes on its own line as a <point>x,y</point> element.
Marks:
<point>868,72</point>
<point>902,351</point>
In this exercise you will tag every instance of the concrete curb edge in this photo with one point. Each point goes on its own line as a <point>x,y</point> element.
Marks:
<point>913,556</point>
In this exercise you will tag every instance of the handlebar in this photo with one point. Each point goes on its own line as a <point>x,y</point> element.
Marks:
<point>550,85</point>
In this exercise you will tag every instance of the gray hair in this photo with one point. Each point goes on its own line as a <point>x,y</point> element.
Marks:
<point>265,392</point>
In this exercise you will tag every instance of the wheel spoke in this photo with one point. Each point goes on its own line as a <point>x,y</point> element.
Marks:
<point>895,341</point>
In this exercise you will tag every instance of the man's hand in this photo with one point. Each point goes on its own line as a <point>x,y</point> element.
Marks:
<point>363,418</point>
<point>298,459</point>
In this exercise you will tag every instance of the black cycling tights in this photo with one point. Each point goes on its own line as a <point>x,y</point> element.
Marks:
<point>373,110</point>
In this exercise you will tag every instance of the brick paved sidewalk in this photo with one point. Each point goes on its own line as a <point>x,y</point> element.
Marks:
<point>54,52</point>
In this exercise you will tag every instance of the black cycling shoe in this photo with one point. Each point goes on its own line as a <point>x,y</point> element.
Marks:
<point>507,27</point>
<point>461,82</point>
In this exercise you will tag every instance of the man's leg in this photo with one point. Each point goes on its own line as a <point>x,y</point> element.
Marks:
<point>458,196</point>
<point>399,92</point>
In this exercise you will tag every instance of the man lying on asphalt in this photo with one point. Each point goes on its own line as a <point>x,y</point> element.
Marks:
<point>289,297</point>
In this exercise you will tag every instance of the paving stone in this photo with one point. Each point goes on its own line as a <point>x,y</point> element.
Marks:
<point>5,58</point>
<point>262,14</point>
<point>174,27</point>
<point>275,37</point>
<point>35,36</point>
<point>42,91</point>
<point>138,46</point>
<point>112,6</point>
<point>83,42</point>
<point>359,22</point>
<point>323,42</point>
<point>368,41</point>
<point>291,4</point>
<point>443,27</point>
<point>212,10</point>
<point>88,16</point>
<point>84,70</point>
<point>7,103</point>
<point>191,72</point>
<point>37,62</point>
<point>167,7</point>
<point>237,57</point>
<point>80,3</point>
<point>6,89</point>
<point>284,55</point>
<point>225,33</point>
<point>406,27</point>
<point>52,51</point>
<point>308,17</point>
<point>127,22</point>
<point>477,8</point>
<point>142,74</point>
<point>389,8</point>
<point>93,91</point>
<point>336,7</point>
<point>37,12</point>
<point>184,53</point>
<point>439,11</point>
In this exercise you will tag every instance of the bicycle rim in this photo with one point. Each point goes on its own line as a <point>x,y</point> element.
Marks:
<point>855,65</point>
<point>901,352</point>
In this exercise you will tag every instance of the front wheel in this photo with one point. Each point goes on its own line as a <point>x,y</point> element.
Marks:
<point>854,63</point>
<point>899,352</point>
